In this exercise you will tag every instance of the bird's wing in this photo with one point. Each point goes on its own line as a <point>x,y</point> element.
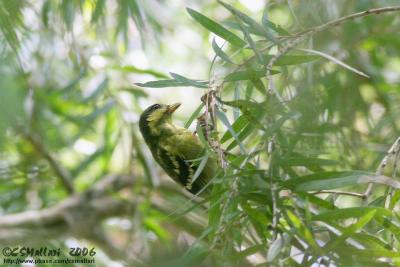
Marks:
<point>187,146</point>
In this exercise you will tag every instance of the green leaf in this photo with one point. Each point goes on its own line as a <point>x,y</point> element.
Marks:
<point>98,11</point>
<point>251,22</point>
<point>97,92</point>
<point>287,60</point>
<point>302,230</point>
<point>251,42</point>
<point>247,75</point>
<point>171,83</point>
<point>133,69</point>
<point>346,213</point>
<point>237,126</point>
<point>226,122</point>
<point>136,14</point>
<point>200,168</point>
<point>137,92</point>
<point>161,84</point>
<point>268,24</point>
<point>242,135</point>
<point>218,51</point>
<point>216,28</point>
<point>350,230</point>
<point>337,61</point>
<point>332,180</point>
<point>305,161</point>
<point>189,82</point>
<point>194,115</point>
<point>276,246</point>
<point>45,12</point>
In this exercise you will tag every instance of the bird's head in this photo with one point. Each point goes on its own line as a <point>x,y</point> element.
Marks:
<point>155,116</point>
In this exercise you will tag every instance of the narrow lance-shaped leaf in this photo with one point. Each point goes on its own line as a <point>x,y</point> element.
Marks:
<point>251,22</point>
<point>346,213</point>
<point>250,41</point>
<point>194,115</point>
<point>218,51</point>
<point>287,60</point>
<point>162,84</point>
<point>302,230</point>
<point>237,126</point>
<point>225,121</point>
<point>98,91</point>
<point>349,231</point>
<point>134,69</point>
<point>331,180</point>
<point>200,168</point>
<point>337,61</point>
<point>246,75</point>
<point>216,28</point>
<point>178,81</point>
<point>268,24</point>
<point>195,83</point>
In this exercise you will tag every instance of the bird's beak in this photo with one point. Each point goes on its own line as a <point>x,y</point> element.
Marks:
<point>173,107</point>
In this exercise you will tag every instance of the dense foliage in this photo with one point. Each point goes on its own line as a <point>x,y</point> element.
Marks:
<point>301,113</point>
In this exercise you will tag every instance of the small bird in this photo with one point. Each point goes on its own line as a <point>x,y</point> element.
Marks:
<point>176,149</point>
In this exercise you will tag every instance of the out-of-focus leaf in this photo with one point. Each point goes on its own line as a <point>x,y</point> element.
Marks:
<point>45,12</point>
<point>138,92</point>
<point>87,162</point>
<point>249,251</point>
<point>268,24</point>
<point>331,180</point>
<point>350,230</point>
<point>133,69</point>
<point>8,23</point>
<point>168,83</point>
<point>161,84</point>
<point>305,161</point>
<point>250,41</point>
<point>237,126</point>
<point>251,22</point>
<point>136,14</point>
<point>98,91</point>
<point>218,51</point>
<point>194,83</point>
<point>335,60</point>
<point>73,83</point>
<point>178,80</point>
<point>216,28</point>
<point>287,60</point>
<point>11,103</point>
<point>246,75</point>
<point>98,10</point>
<point>68,12</point>
<point>276,246</point>
<point>200,168</point>
<point>194,115</point>
<point>346,213</point>
<point>225,121</point>
<point>98,111</point>
<point>242,136</point>
<point>302,230</point>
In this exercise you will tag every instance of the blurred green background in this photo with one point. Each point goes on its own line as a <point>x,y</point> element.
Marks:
<point>75,76</point>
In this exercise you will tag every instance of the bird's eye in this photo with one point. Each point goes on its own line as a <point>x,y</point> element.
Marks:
<point>156,106</point>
